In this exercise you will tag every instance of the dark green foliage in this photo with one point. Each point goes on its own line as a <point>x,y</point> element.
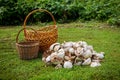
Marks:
<point>7,11</point>
<point>14,11</point>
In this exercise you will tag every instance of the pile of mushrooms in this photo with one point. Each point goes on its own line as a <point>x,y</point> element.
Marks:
<point>71,53</point>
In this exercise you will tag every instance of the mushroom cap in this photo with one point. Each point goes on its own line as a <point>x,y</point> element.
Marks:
<point>53,45</point>
<point>100,56</point>
<point>48,59</point>
<point>67,44</point>
<point>76,45</point>
<point>56,47</point>
<point>90,47</point>
<point>56,60</point>
<point>66,49</point>
<point>95,64</point>
<point>84,43</point>
<point>87,54</point>
<point>58,66</point>
<point>71,50</point>
<point>78,63</point>
<point>80,50</point>
<point>87,61</point>
<point>67,58</point>
<point>53,54</point>
<point>77,59</point>
<point>61,53</point>
<point>67,64</point>
<point>77,54</point>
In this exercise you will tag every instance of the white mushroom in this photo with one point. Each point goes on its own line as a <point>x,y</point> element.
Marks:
<point>61,53</point>
<point>90,47</point>
<point>73,57</point>
<point>67,64</point>
<point>80,50</point>
<point>87,54</point>
<point>95,64</point>
<point>96,60</point>
<point>87,61</point>
<point>66,49</point>
<point>78,63</point>
<point>67,58</point>
<point>100,55</point>
<point>77,59</point>
<point>71,50</point>
<point>84,43</point>
<point>53,45</point>
<point>53,54</point>
<point>48,59</point>
<point>56,47</point>
<point>77,54</point>
<point>58,66</point>
<point>75,45</point>
<point>56,60</point>
<point>67,44</point>
<point>94,52</point>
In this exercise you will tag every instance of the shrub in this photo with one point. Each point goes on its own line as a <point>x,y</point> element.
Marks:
<point>14,11</point>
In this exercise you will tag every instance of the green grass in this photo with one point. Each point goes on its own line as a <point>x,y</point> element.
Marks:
<point>96,34</point>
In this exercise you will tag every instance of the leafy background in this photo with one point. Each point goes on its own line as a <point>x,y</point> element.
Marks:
<point>13,12</point>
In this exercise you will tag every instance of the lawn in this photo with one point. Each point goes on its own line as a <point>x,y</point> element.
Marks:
<point>101,36</point>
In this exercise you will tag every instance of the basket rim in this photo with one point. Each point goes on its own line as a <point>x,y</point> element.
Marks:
<point>27,43</point>
<point>39,30</point>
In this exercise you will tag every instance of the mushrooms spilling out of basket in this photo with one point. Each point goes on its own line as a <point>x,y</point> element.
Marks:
<point>68,54</point>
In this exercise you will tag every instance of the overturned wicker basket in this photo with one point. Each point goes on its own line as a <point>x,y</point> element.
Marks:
<point>27,49</point>
<point>46,35</point>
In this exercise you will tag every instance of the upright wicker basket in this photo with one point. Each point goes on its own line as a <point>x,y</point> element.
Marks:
<point>46,35</point>
<point>27,49</point>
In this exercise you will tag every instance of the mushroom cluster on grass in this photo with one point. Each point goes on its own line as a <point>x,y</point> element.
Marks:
<point>71,53</point>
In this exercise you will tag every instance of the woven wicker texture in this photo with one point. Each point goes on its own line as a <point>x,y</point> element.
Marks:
<point>46,35</point>
<point>27,49</point>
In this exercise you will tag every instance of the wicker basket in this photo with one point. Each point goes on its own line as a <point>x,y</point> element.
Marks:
<point>27,49</point>
<point>46,35</point>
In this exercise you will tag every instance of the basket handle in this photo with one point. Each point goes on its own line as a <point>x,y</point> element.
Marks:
<point>24,25</point>
<point>22,30</point>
